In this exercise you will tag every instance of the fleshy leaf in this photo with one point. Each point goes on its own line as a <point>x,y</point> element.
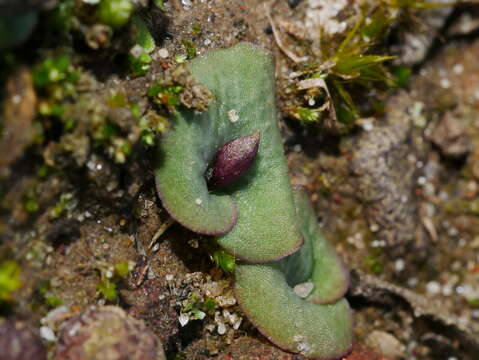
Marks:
<point>319,331</point>
<point>241,79</point>
<point>316,261</point>
<point>318,326</point>
<point>329,276</point>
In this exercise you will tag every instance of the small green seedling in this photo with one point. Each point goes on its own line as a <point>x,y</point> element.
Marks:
<point>224,260</point>
<point>317,261</point>
<point>139,55</point>
<point>115,13</point>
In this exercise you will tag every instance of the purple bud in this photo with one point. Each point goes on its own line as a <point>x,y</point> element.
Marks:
<point>233,160</point>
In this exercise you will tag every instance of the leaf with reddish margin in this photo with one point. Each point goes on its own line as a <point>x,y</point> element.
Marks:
<point>318,325</point>
<point>317,261</point>
<point>319,331</point>
<point>241,80</point>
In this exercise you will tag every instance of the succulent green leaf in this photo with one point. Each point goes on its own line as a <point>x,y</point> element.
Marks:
<point>329,276</point>
<point>319,331</point>
<point>242,82</point>
<point>316,262</point>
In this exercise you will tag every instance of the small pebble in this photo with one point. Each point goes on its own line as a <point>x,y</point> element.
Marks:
<point>233,115</point>
<point>47,334</point>
<point>458,69</point>
<point>421,180</point>
<point>221,329</point>
<point>445,83</point>
<point>163,53</point>
<point>303,289</point>
<point>367,125</point>
<point>16,99</point>
<point>183,319</point>
<point>433,287</point>
<point>399,265</point>
<point>136,51</point>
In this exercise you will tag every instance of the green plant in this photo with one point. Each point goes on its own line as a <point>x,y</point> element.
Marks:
<point>115,13</point>
<point>190,48</point>
<point>110,277</point>
<point>66,202</point>
<point>139,56</point>
<point>9,279</point>
<point>30,200</point>
<point>253,209</point>
<point>55,79</point>
<point>344,67</point>
<point>350,62</point>
<point>224,260</point>
<point>241,81</point>
<point>316,324</point>
<point>107,290</point>
<point>44,290</point>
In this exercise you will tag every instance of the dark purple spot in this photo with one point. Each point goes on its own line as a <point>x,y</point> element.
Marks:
<point>233,160</point>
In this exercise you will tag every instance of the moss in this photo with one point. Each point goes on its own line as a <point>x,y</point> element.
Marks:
<point>474,303</point>
<point>54,70</point>
<point>53,301</point>
<point>348,63</point>
<point>165,95</point>
<point>402,75</point>
<point>190,48</point>
<point>122,269</point>
<point>9,280</point>
<point>55,80</point>
<point>196,29</point>
<point>107,290</point>
<point>139,64</point>
<point>224,260</point>
<point>160,4</point>
<point>374,263</point>
<point>139,57</point>
<point>44,292</point>
<point>111,276</point>
<point>66,202</point>
<point>30,200</point>
<point>152,124</point>
<point>209,305</point>
<point>43,171</point>
<point>135,110</point>
<point>307,114</point>
<point>180,356</point>
<point>118,99</point>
